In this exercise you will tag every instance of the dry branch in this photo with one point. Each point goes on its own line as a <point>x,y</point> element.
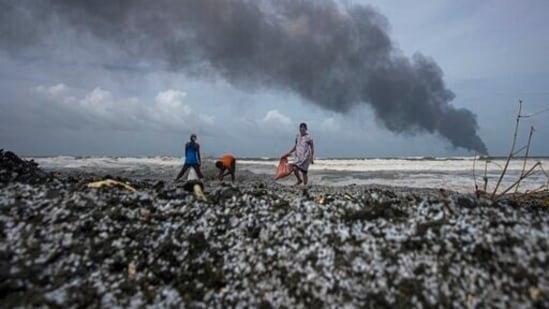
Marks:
<point>510,153</point>
<point>526,155</point>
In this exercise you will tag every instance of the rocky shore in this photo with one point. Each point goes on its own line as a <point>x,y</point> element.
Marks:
<point>261,244</point>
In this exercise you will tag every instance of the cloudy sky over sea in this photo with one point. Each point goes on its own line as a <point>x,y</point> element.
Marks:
<point>371,78</point>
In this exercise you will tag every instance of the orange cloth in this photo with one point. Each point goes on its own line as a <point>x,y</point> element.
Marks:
<point>283,169</point>
<point>227,161</point>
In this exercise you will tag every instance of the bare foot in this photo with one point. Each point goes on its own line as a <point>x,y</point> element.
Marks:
<point>299,181</point>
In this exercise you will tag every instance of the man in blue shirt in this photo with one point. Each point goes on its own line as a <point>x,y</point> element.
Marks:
<point>192,158</point>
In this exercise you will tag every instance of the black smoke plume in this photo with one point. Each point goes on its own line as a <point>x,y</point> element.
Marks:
<point>334,55</point>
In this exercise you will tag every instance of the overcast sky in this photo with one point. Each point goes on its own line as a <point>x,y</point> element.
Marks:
<point>370,78</point>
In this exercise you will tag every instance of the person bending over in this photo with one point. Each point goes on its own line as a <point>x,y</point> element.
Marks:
<point>226,165</point>
<point>192,158</point>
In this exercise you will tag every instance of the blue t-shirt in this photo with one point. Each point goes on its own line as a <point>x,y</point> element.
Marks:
<point>191,153</point>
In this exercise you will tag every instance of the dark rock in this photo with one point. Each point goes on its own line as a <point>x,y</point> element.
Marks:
<point>15,169</point>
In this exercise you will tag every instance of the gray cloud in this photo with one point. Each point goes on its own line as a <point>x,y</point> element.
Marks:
<point>331,55</point>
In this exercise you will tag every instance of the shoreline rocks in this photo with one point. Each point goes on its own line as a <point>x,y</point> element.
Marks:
<point>260,244</point>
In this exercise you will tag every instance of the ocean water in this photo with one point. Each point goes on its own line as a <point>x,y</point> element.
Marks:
<point>453,173</point>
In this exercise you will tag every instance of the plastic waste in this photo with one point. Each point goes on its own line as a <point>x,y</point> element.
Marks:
<point>195,185</point>
<point>110,183</point>
<point>283,169</point>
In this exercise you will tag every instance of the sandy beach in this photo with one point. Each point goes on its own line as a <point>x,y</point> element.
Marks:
<point>258,243</point>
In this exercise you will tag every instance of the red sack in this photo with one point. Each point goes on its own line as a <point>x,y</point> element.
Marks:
<point>283,169</point>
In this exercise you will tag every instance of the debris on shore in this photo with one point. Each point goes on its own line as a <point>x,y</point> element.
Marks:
<point>260,244</point>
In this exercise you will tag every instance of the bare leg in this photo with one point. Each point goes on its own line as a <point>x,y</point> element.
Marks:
<point>305,178</point>
<point>233,171</point>
<point>198,172</point>
<point>296,173</point>
<point>182,172</point>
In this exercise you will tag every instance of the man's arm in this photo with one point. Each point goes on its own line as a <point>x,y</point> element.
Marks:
<point>222,175</point>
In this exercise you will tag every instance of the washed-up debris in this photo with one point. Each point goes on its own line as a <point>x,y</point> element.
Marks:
<point>13,168</point>
<point>132,269</point>
<point>260,244</point>
<point>320,199</point>
<point>110,183</point>
<point>197,187</point>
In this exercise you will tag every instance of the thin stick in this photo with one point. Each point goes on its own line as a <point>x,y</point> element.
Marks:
<point>525,155</point>
<point>510,153</point>
<point>519,150</point>
<point>520,179</point>
<point>485,178</point>
<point>539,189</point>
<point>546,176</point>
<point>474,177</point>
<point>537,113</point>
<point>544,172</point>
